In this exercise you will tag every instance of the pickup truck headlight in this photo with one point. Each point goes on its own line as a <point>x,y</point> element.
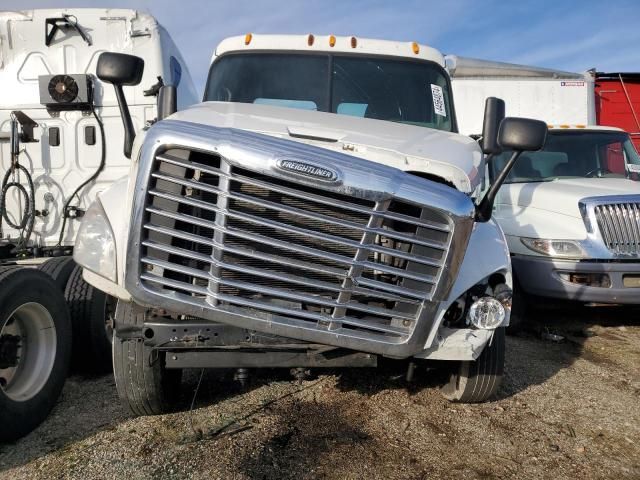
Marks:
<point>95,247</point>
<point>555,248</point>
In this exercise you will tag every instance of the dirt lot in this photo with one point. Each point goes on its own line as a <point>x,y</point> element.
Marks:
<point>565,410</point>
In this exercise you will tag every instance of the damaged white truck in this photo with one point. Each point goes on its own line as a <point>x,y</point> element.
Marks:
<point>317,210</point>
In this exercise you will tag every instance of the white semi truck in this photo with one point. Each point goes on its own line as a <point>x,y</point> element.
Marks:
<point>571,212</point>
<point>62,139</point>
<point>319,209</point>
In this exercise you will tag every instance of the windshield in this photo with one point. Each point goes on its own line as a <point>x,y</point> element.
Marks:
<point>575,155</point>
<point>407,91</point>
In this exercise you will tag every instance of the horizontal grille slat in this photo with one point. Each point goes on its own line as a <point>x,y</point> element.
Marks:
<point>619,225</point>
<point>266,245</point>
<point>270,307</point>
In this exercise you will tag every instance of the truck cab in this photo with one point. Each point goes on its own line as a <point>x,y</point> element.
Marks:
<point>571,215</point>
<point>318,209</point>
<point>61,144</point>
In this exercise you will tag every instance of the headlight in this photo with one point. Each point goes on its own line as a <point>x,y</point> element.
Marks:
<point>95,247</point>
<point>555,248</point>
<point>487,313</point>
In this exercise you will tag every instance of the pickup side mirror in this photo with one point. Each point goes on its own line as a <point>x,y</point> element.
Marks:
<point>493,116</point>
<point>519,135</point>
<point>167,101</point>
<point>120,70</point>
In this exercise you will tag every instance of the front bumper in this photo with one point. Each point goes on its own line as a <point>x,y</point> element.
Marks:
<point>541,276</point>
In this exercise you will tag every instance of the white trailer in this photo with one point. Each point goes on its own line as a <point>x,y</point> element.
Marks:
<point>62,144</point>
<point>550,95</point>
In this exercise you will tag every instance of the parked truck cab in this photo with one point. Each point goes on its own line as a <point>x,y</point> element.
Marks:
<point>571,215</point>
<point>318,209</point>
<point>61,144</point>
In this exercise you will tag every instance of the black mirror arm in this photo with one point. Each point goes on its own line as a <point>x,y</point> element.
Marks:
<point>485,207</point>
<point>129,132</point>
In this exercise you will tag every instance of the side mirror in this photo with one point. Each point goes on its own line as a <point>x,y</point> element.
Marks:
<point>522,134</point>
<point>519,135</point>
<point>120,70</point>
<point>167,101</point>
<point>493,115</point>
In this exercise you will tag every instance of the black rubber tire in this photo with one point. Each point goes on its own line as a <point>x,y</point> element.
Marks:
<point>89,312</point>
<point>477,381</point>
<point>59,269</point>
<point>19,286</point>
<point>142,381</point>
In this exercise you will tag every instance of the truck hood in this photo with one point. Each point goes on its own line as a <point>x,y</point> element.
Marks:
<point>451,156</point>
<point>563,195</point>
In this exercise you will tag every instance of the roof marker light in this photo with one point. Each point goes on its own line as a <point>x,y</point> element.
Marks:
<point>415,47</point>
<point>564,126</point>
<point>310,39</point>
<point>581,126</point>
<point>332,41</point>
<point>247,38</point>
<point>354,42</point>
<point>549,126</point>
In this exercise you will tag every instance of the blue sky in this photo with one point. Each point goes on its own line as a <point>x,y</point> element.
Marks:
<point>568,35</point>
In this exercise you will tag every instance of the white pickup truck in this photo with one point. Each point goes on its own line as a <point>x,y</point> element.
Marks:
<point>319,209</point>
<point>571,212</point>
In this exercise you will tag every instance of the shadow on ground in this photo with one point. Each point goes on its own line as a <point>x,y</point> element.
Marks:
<point>308,429</point>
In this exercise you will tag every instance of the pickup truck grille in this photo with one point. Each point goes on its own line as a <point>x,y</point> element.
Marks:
<point>619,225</point>
<point>220,236</point>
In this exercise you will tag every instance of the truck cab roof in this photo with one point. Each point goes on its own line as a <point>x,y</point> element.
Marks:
<point>329,44</point>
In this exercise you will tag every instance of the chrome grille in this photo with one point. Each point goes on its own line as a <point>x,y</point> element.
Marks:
<point>619,225</point>
<point>223,237</point>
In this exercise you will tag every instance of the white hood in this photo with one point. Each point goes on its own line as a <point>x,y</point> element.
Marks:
<point>563,195</point>
<point>551,209</point>
<point>454,157</point>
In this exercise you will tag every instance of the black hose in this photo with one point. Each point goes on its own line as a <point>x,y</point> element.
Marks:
<point>28,216</point>
<point>103,161</point>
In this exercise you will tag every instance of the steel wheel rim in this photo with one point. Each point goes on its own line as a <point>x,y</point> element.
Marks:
<point>33,323</point>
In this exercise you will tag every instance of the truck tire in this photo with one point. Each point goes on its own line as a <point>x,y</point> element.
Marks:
<point>476,381</point>
<point>35,349</point>
<point>59,269</point>
<point>142,381</point>
<point>92,321</point>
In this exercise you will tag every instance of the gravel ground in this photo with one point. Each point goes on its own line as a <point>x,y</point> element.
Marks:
<point>565,410</point>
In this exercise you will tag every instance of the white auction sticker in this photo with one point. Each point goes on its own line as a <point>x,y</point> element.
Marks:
<point>438,100</point>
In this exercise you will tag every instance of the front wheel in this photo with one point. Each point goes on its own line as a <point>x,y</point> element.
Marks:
<point>35,348</point>
<point>143,382</point>
<point>477,381</point>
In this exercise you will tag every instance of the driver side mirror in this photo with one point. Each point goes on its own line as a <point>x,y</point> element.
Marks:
<point>522,134</point>
<point>120,70</point>
<point>519,135</point>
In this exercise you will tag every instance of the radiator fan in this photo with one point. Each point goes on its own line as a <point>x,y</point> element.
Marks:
<point>63,88</point>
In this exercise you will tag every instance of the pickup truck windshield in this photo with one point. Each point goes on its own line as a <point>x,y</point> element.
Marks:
<point>572,154</point>
<point>407,91</point>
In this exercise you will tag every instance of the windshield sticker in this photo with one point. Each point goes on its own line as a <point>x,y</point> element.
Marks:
<point>438,100</point>
<point>632,167</point>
